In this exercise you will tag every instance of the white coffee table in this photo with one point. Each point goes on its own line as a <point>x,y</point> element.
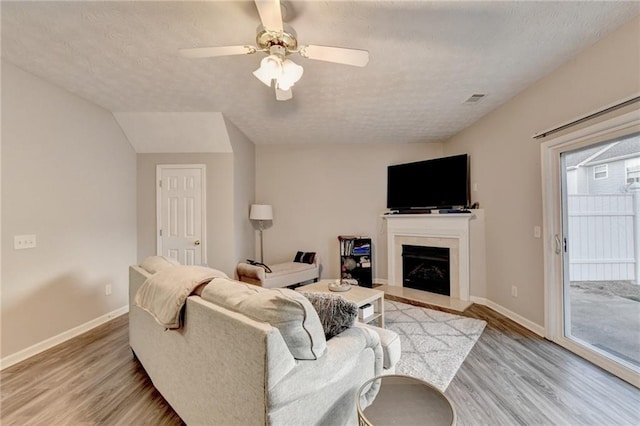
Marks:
<point>358,295</point>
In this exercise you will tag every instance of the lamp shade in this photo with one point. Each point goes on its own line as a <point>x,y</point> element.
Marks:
<point>291,73</point>
<point>261,212</point>
<point>270,69</point>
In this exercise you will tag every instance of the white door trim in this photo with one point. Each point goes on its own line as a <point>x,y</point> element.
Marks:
<point>552,225</point>
<point>203,169</point>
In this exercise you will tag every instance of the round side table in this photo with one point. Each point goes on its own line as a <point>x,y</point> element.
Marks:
<point>404,400</point>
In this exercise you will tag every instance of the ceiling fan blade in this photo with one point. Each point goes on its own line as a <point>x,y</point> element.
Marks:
<point>283,95</point>
<point>270,14</point>
<point>210,52</point>
<point>339,55</point>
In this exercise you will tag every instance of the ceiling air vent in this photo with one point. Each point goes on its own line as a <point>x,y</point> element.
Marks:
<point>474,98</point>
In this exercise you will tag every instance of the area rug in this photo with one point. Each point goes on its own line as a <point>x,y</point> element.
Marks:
<point>434,343</point>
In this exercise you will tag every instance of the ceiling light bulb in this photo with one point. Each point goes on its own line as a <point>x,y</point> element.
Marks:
<point>291,73</point>
<point>272,65</point>
<point>270,68</point>
<point>263,76</point>
<point>283,85</point>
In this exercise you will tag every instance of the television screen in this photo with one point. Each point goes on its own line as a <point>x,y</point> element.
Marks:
<point>437,183</point>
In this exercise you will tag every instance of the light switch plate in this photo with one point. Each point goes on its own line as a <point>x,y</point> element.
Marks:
<point>24,242</point>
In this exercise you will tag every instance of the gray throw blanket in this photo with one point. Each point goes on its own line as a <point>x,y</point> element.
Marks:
<point>164,293</point>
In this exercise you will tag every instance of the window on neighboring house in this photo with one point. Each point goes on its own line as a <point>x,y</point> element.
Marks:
<point>601,171</point>
<point>632,166</point>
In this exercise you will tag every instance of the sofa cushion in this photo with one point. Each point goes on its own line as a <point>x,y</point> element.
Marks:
<point>153,264</point>
<point>336,313</point>
<point>289,268</point>
<point>287,310</point>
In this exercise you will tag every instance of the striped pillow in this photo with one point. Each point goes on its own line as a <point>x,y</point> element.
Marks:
<point>305,257</point>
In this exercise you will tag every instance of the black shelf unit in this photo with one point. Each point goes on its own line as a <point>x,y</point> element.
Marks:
<point>356,259</point>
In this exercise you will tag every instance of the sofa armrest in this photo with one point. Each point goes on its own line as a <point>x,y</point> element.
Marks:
<point>252,272</point>
<point>339,346</point>
<point>352,357</point>
<point>391,347</point>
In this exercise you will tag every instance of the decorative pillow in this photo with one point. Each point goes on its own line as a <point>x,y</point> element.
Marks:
<point>305,257</point>
<point>287,310</point>
<point>335,312</point>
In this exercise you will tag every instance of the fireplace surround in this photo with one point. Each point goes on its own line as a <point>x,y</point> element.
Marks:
<point>450,231</point>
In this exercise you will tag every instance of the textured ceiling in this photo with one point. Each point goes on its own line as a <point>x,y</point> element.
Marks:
<point>426,58</point>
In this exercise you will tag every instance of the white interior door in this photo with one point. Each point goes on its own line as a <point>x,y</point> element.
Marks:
<point>181,212</point>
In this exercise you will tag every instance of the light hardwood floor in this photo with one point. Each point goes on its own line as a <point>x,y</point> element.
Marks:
<point>510,377</point>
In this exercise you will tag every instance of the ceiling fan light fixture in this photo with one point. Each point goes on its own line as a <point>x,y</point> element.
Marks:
<point>270,69</point>
<point>279,40</point>
<point>291,73</point>
<point>283,95</point>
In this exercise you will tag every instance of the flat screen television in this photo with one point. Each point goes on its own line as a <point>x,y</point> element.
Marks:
<point>437,183</point>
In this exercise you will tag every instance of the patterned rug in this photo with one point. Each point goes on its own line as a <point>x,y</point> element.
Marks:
<point>434,343</point>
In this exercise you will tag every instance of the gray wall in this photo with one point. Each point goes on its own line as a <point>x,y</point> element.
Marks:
<point>321,191</point>
<point>615,182</point>
<point>68,176</point>
<point>505,160</point>
<point>244,188</point>
<point>220,196</point>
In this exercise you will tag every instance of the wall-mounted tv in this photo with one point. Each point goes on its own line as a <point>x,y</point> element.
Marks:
<point>437,183</point>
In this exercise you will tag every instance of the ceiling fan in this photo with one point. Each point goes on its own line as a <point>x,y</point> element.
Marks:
<point>280,40</point>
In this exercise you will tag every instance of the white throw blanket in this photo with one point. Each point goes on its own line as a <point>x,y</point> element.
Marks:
<point>164,293</point>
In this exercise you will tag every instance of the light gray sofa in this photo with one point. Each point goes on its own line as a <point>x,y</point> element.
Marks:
<point>224,368</point>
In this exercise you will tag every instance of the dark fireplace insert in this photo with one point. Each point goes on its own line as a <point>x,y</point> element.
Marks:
<point>426,268</point>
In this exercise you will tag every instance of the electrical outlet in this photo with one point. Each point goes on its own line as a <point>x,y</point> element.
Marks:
<point>475,186</point>
<point>514,291</point>
<point>24,242</point>
<point>107,290</point>
<point>537,232</point>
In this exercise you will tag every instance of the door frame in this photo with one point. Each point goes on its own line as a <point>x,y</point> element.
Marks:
<point>612,128</point>
<point>203,171</point>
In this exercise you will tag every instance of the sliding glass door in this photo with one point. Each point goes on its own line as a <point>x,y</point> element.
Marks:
<point>601,213</point>
<point>592,258</point>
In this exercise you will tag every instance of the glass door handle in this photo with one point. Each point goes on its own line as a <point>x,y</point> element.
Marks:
<point>558,244</point>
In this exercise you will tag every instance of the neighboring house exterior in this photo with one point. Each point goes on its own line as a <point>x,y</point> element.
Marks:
<point>605,169</point>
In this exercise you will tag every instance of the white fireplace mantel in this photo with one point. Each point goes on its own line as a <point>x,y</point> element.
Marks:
<point>436,230</point>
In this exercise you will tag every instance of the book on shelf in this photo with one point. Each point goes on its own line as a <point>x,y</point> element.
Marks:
<point>348,246</point>
<point>362,250</point>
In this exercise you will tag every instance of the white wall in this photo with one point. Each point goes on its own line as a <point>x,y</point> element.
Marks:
<point>505,160</point>
<point>68,176</point>
<point>321,191</point>
<point>244,188</point>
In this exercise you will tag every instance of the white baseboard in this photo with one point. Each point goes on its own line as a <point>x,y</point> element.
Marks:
<point>529,325</point>
<point>381,281</point>
<point>15,358</point>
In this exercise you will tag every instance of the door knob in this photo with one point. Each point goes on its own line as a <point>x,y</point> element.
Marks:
<point>196,242</point>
